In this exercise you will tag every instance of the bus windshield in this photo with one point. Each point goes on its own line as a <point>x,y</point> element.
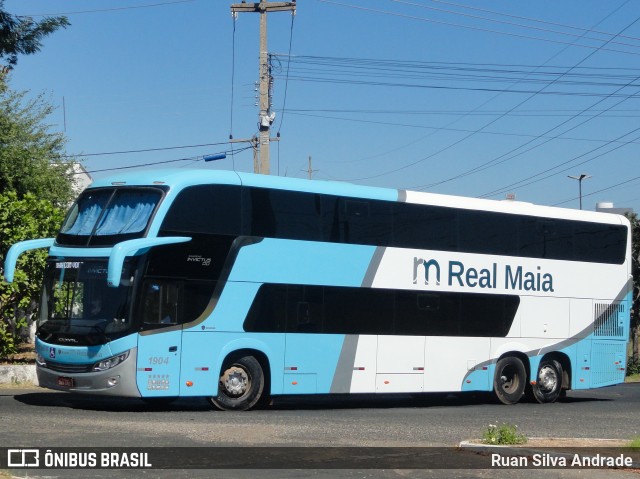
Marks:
<point>106,216</point>
<point>78,307</point>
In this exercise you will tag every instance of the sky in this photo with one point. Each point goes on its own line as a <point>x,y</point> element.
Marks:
<point>481,99</point>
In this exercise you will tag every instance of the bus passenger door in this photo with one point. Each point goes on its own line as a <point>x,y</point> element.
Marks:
<point>160,341</point>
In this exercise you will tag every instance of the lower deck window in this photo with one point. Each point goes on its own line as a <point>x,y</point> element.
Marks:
<point>340,310</point>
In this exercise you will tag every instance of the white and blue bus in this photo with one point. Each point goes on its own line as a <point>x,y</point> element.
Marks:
<point>237,287</point>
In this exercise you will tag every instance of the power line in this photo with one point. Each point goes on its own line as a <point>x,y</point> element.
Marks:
<point>494,161</point>
<point>286,82</point>
<point>145,150</point>
<point>487,30</point>
<point>513,24</point>
<point>459,141</point>
<point>102,10</point>
<point>522,183</point>
<point>600,191</point>
<point>440,128</point>
<point>141,165</point>
<point>454,88</point>
<point>493,72</point>
<point>545,22</point>
<point>621,113</point>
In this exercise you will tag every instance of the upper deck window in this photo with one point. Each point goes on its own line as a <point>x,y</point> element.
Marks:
<point>106,216</point>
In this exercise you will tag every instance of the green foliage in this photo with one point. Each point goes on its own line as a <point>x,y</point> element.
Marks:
<point>32,159</point>
<point>22,219</point>
<point>633,366</point>
<point>36,177</point>
<point>505,434</point>
<point>635,443</point>
<point>23,35</point>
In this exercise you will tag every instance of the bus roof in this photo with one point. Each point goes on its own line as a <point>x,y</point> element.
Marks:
<point>177,179</point>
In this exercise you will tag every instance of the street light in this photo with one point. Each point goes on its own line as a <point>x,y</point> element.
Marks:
<point>583,176</point>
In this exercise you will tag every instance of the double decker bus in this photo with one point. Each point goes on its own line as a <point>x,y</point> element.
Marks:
<point>237,287</point>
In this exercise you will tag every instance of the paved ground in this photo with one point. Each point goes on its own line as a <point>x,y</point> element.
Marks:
<point>50,419</point>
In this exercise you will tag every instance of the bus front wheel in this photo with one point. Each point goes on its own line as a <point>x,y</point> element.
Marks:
<point>510,380</point>
<point>240,386</point>
<point>548,385</point>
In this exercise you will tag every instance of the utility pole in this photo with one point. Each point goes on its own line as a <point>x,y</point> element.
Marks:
<point>266,115</point>
<point>310,170</point>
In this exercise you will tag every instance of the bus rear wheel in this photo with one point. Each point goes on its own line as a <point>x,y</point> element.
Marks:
<point>548,385</point>
<point>510,380</point>
<point>240,386</point>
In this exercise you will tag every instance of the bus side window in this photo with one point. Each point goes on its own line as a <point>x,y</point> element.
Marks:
<point>160,302</point>
<point>428,302</point>
<point>308,320</point>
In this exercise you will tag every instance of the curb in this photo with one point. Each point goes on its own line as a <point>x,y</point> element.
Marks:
<point>19,375</point>
<point>566,450</point>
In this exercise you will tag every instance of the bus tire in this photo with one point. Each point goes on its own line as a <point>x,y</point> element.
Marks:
<point>240,386</point>
<point>510,380</point>
<point>548,385</point>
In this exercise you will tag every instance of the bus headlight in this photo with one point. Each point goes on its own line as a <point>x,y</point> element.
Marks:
<point>110,362</point>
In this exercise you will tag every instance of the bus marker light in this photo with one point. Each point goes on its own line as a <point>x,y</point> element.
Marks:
<point>468,381</point>
<point>295,383</point>
<point>484,368</point>
<point>291,368</point>
<point>148,369</point>
<point>358,369</point>
<point>386,382</point>
<point>533,383</point>
<point>202,369</point>
<point>189,383</point>
<point>419,368</point>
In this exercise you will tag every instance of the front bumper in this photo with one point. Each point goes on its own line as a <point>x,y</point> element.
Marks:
<point>96,382</point>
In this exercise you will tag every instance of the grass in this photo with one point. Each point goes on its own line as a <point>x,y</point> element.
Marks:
<point>635,443</point>
<point>502,435</point>
<point>633,378</point>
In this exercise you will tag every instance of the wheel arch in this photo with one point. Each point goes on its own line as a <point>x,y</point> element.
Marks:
<point>521,356</point>
<point>260,356</point>
<point>249,347</point>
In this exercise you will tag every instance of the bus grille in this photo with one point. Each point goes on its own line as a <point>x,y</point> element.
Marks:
<point>69,368</point>
<point>607,321</point>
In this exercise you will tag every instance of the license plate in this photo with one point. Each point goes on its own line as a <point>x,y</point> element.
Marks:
<point>65,382</point>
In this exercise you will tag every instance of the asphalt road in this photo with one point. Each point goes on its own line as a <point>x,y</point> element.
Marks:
<point>42,418</point>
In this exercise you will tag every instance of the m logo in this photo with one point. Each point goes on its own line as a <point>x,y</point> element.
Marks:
<point>417,262</point>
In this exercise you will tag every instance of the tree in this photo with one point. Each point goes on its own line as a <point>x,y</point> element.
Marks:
<point>23,35</point>
<point>35,188</point>
<point>635,307</point>
<point>32,158</point>
<point>35,174</point>
<point>22,219</point>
